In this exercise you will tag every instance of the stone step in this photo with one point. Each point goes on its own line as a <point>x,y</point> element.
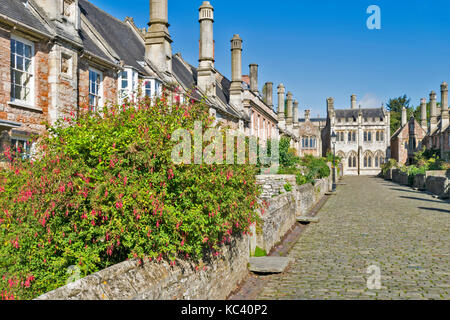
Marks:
<point>269,264</point>
<point>308,219</point>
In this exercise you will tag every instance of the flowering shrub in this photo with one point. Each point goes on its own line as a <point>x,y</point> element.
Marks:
<point>104,189</point>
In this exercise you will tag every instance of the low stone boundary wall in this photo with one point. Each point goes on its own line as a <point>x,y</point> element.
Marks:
<point>435,181</point>
<point>419,182</point>
<point>400,177</point>
<point>280,215</point>
<point>438,186</point>
<point>273,184</point>
<point>160,281</point>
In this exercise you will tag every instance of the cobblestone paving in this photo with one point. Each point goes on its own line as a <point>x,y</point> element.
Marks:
<point>371,222</point>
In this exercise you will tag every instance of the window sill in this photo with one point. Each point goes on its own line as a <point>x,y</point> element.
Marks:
<point>24,105</point>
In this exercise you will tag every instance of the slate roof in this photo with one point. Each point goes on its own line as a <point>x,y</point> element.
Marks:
<point>118,34</point>
<point>367,113</point>
<point>187,75</point>
<point>90,46</point>
<point>18,10</point>
<point>313,120</point>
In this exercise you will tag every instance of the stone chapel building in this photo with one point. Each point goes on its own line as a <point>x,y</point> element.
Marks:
<point>363,137</point>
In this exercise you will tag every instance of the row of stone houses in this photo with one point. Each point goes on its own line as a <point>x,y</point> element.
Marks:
<point>58,55</point>
<point>433,131</point>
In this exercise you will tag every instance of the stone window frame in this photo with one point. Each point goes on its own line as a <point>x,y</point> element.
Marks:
<point>352,160</point>
<point>309,142</point>
<point>132,86</point>
<point>31,102</point>
<point>99,95</point>
<point>17,138</point>
<point>70,56</point>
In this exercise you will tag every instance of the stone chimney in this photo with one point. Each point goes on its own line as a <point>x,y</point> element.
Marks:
<point>268,94</point>
<point>158,43</point>
<point>281,99</point>
<point>254,78</point>
<point>290,108</point>
<point>206,79</point>
<point>307,115</point>
<point>404,117</point>
<point>62,12</point>
<point>423,114</point>
<point>330,106</point>
<point>433,112</point>
<point>444,105</point>
<point>295,113</point>
<point>353,101</point>
<point>236,72</point>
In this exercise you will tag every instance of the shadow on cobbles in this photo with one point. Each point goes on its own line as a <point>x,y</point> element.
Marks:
<point>435,209</point>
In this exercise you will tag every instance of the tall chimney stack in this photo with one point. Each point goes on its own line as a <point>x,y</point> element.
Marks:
<point>307,115</point>
<point>254,78</point>
<point>423,114</point>
<point>404,117</point>
<point>268,94</point>
<point>290,108</point>
<point>236,72</point>
<point>353,101</point>
<point>433,112</point>
<point>158,43</point>
<point>444,105</point>
<point>281,99</point>
<point>295,113</point>
<point>206,79</point>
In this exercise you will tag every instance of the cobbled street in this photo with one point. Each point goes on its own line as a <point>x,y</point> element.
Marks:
<point>370,222</point>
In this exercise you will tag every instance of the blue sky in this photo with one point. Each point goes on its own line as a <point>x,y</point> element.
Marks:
<point>319,49</point>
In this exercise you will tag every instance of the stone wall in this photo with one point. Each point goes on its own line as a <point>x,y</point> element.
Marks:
<point>160,281</point>
<point>419,182</point>
<point>282,210</point>
<point>438,186</point>
<point>273,184</point>
<point>400,177</point>
<point>435,181</point>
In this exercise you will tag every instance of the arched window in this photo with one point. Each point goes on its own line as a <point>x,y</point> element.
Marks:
<point>378,136</point>
<point>354,162</point>
<point>365,162</point>
<point>350,162</point>
<point>370,162</point>
<point>370,136</point>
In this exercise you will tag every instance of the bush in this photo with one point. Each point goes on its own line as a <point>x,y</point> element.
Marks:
<point>105,190</point>
<point>385,167</point>
<point>288,157</point>
<point>317,167</point>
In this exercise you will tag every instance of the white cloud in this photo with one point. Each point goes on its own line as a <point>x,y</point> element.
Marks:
<point>370,101</point>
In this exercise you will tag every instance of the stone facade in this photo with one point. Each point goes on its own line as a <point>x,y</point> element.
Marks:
<point>310,133</point>
<point>363,137</point>
<point>436,128</point>
<point>406,141</point>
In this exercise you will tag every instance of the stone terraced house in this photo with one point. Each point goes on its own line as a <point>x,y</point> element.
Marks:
<point>433,132</point>
<point>58,55</point>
